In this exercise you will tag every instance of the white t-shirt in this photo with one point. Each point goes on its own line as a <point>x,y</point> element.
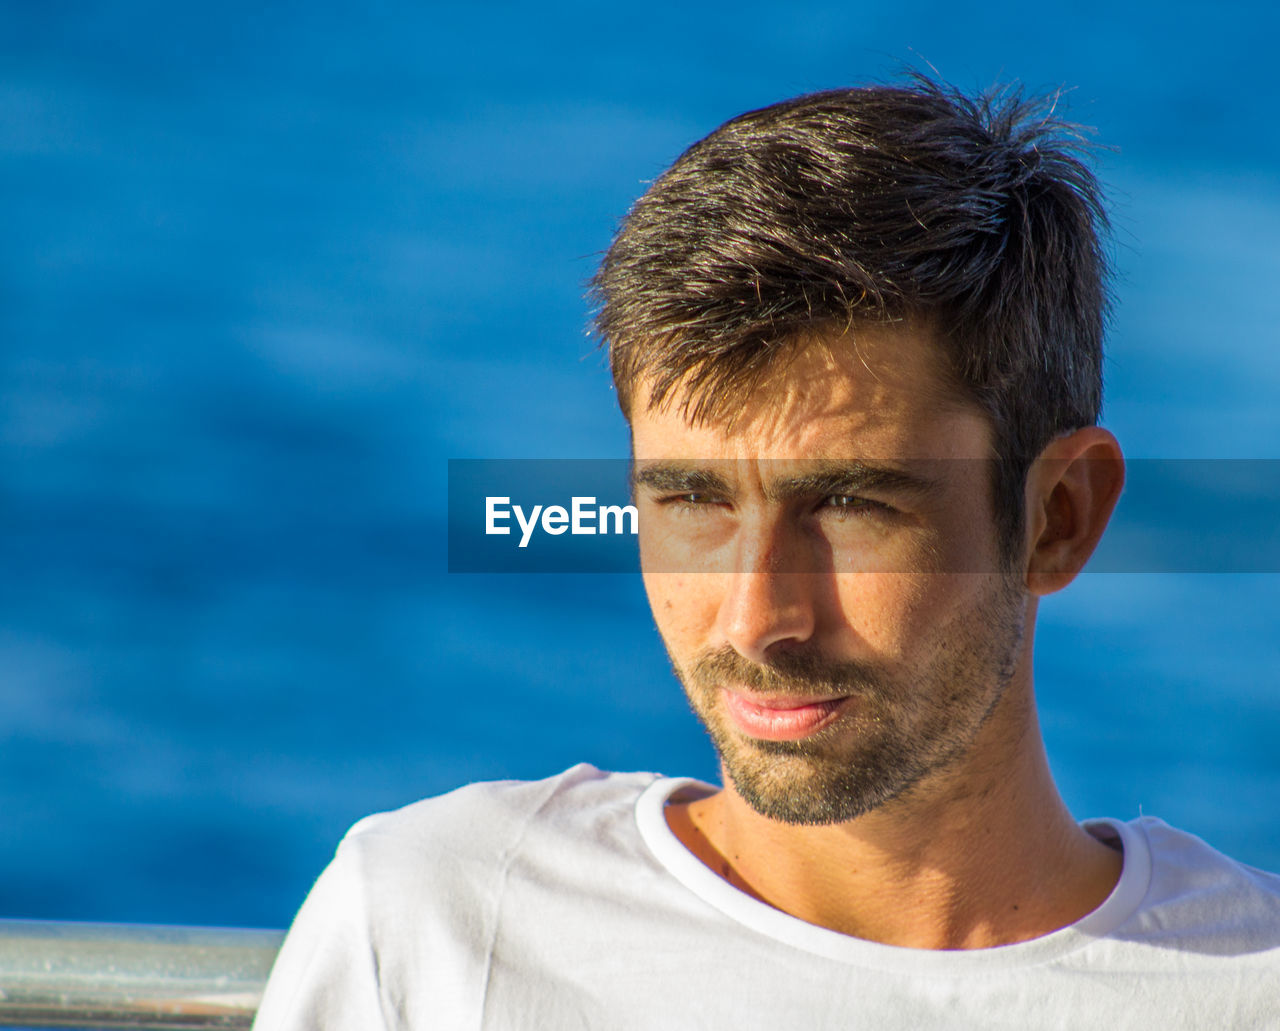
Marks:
<point>568,904</point>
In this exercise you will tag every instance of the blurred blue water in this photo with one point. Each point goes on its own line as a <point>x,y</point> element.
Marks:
<point>265,268</point>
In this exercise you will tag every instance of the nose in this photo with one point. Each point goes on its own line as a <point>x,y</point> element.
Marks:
<point>769,602</point>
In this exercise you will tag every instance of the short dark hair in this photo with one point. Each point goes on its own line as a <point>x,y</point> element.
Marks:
<point>978,214</point>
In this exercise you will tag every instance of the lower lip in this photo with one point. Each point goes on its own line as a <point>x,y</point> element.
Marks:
<point>774,724</point>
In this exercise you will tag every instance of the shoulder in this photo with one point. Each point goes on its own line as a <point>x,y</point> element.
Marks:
<point>404,918</point>
<point>490,812</point>
<point>1198,895</point>
<point>483,826</point>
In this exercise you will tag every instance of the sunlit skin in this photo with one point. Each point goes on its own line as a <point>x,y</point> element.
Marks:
<point>824,570</point>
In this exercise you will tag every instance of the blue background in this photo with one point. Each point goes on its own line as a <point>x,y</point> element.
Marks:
<point>264,268</point>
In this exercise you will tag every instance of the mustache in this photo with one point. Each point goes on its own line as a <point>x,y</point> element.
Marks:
<point>798,673</point>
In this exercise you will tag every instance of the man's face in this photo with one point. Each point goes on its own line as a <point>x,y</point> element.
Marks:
<point>811,567</point>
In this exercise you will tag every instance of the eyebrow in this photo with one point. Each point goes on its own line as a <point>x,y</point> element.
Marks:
<point>853,477</point>
<point>678,479</point>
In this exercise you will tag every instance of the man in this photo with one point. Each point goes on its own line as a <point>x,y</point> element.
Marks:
<point>857,336</point>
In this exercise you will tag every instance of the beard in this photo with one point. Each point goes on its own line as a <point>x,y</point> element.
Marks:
<point>898,730</point>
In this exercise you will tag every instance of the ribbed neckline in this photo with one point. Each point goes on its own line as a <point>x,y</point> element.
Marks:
<point>686,868</point>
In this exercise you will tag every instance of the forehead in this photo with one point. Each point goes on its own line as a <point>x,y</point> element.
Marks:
<point>875,391</point>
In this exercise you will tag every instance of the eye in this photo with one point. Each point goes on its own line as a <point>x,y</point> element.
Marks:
<point>846,505</point>
<point>693,500</point>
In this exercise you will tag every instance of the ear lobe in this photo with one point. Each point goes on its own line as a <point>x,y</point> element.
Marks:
<point>1072,489</point>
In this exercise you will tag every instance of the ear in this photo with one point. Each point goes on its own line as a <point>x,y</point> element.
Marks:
<point>1072,489</point>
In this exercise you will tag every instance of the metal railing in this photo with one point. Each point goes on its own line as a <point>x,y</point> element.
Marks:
<point>55,974</point>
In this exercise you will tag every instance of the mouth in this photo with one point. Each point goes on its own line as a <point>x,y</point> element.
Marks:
<point>778,718</point>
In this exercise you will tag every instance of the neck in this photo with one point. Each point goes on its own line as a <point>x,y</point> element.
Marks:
<point>984,854</point>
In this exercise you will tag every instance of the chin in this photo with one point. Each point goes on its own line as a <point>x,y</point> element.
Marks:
<point>801,783</point>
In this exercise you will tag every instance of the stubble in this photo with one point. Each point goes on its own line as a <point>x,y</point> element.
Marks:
<point>902,727</point>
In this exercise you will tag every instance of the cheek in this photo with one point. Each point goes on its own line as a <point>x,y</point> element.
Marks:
<point>891,612</point>
<point>676,604</point>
